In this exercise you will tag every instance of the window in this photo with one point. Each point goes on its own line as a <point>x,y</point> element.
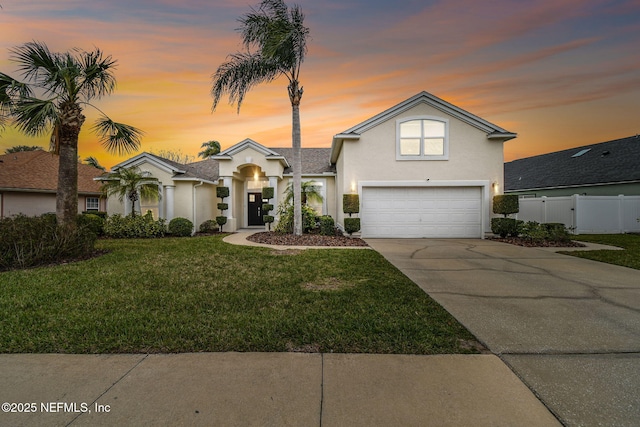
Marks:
<point>422,139</point>
<point>92,204</point>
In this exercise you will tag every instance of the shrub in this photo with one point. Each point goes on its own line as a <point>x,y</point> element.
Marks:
<point>209,226</point>
<point>223,206</point>
<point>180,227</point>
<point>351,225</point>
<point>327,225</point>
<point>557,232</point>
<point>93,222</point>
<point>268,219</point>
<point>267,193</point>
<point>101,214</point>
<point>506,204</point>
<point>266,207</point>
<point>31,241</point>
<point>222,192</point>
<point>285,225</point>
<point>350,203</point>
<point>119,227</point>
<point>504,226</point>
<point>533,231</point>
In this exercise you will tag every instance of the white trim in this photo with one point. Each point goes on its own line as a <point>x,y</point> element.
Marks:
<point>148,158</point>
<point>485,186</point>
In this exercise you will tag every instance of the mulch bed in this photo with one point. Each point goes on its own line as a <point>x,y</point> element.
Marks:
<point>519,241</point>
<point>273,238</point>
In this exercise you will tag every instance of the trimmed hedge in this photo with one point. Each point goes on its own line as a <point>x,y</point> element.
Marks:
<point>268,219</point>
<point>267,207</point>
<point>222,192</point>
<point>351,225</point>
<point>506,204</point>
<point>267,193</point>
<point>350,203</point>
<point>223,206</point>
<point>180,227</point>
<point>505,227</point>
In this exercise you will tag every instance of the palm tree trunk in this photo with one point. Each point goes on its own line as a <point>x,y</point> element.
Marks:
<point>71,120</point>
<point>295,94</point>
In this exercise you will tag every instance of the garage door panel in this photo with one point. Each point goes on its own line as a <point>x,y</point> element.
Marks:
<point>421,212</point>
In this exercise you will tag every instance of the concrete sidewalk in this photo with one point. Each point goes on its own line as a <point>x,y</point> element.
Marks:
<point>265,389</point>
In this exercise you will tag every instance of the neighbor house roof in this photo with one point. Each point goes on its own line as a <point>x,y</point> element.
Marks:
<point>616,161</point>
<point>37,171</point>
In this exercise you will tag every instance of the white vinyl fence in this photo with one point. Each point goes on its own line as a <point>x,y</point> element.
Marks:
<point>585,214</point>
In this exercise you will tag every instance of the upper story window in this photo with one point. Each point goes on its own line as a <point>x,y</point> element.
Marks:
<point>422,138</point>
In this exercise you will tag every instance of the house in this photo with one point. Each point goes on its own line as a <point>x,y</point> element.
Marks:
<point>29,180</point>
<point>606,169</point>
<point>423,168</point>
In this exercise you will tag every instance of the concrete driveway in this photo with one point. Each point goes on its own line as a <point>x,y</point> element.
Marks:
<point>568,327</point>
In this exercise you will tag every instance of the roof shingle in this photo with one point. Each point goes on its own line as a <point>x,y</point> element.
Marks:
<point>607,162</point>
<point>38,171</point>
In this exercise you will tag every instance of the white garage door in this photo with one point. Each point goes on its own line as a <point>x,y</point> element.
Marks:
<point>415,212</point>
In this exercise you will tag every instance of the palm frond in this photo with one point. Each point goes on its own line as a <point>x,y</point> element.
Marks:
<point>239,74</point>
<point>117,137</point>
<point>36,62</point>
<point>97,78</point>
<point>34,116</point>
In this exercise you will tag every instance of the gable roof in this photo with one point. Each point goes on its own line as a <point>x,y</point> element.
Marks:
<point>615,161</point>
<point>38,171</point>
<point>353,133</point>
<point>204,170</point>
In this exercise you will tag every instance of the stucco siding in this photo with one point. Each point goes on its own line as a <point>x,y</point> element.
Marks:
<point>34,204</point>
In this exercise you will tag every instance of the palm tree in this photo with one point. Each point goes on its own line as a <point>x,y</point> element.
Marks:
<point>132,184</point>
<point>276,41</point>
<point>211,148</point>
<point>66,82</point>
<point>309,192</point>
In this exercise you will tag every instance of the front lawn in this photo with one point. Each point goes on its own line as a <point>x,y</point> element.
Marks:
<point>629,257</point>
<point>201,294</point>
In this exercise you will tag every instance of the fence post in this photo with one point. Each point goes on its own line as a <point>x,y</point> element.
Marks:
<point>576,213</point>
<point>621,213</point>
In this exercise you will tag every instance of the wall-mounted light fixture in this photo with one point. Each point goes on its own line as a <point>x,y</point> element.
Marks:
<point>353,186</point>
<point>496,187</point>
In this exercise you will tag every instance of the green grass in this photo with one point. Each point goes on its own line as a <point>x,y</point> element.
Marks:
<point>201,294</point>
<point>629,257</point>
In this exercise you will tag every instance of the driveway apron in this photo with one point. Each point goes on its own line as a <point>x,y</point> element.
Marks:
<point>568,327</point>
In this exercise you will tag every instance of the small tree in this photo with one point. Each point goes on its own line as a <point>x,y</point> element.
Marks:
<point>222,192</point>
<point>351,205</point>
<point>131,183</point>
<point>505,204</point>
<point>267,193</point>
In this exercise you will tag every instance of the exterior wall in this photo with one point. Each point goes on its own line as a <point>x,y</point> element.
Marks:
<point>596,190</point>
<point>183,200</point>
<point>34,204</point>
<point>206,204</point>
<point>472,157</point>
<point>250,156</point>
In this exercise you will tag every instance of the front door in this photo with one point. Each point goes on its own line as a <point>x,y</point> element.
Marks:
<point>255,209</point>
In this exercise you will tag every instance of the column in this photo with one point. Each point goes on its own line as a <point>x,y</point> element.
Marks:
<point>168,201</point>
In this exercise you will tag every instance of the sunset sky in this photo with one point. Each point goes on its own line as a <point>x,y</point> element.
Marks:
<point>559,73</point>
